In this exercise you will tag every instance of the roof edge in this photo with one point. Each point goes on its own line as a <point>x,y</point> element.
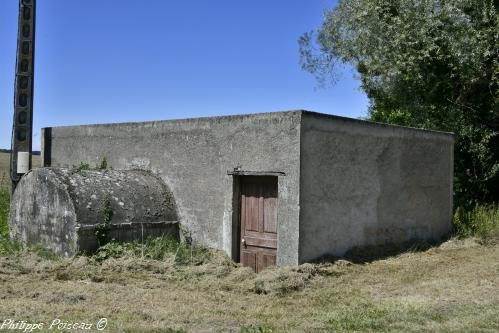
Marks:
<point>376,124</point>
<point>192,119</point>
<point>263,114</point>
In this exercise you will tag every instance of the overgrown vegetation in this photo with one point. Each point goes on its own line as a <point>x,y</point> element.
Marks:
<point>482,221</point>
<point>4,211</point>
<point>103,228</point>
<point>424,291</point>
<point>81,167</point>
<point>85,166</point>
<point>159,248</point>
<point>432,64</point>
<point>163,285</point>
<point>9,247</point>
<point>103,164</point>
<point>6,245</point>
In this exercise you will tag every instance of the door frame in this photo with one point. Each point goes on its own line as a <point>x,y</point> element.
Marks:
<point>237,175</point>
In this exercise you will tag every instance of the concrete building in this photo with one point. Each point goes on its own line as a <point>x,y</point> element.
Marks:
<point>284,187</point>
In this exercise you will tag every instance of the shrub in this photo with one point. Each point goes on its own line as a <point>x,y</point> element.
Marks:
<point>431,64</point>
<point>481,221</point>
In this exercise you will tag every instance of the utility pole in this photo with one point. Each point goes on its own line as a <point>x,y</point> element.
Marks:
<point>22,126</point>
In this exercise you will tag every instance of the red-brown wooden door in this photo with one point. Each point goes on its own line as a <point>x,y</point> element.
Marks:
<point>258,210</point>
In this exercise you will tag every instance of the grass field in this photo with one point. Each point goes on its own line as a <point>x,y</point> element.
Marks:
<point>450,288</point>
<point>167,287</point>
<point>4,168</point>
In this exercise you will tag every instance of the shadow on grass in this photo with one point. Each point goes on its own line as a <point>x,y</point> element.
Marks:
<point>370,253</point>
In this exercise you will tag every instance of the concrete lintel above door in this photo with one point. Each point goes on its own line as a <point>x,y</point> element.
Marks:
<point>236,172</point>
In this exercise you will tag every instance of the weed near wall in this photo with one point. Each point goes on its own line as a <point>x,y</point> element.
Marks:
<point>6,245</point>
<point>4,211</point>
<point>158,248</point>
<point>482,221</point>
<point>103,228</point>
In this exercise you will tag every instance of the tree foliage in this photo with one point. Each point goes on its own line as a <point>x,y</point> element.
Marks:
<point>424,63</point>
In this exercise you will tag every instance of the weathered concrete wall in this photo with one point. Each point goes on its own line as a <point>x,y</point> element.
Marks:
<point>68,210</point>
<point>364,184</point>
<point>346,182</point>
<point>193,156</point>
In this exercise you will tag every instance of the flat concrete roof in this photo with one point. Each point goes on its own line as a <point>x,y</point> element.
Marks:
<point>372,124</point>
<point>218,119</point>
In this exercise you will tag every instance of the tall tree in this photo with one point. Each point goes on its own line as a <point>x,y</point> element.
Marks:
<point>424,63</point>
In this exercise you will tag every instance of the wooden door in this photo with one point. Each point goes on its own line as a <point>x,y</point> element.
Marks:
<point>258,221</point>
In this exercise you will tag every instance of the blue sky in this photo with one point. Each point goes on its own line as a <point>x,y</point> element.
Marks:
<point>100,61</point>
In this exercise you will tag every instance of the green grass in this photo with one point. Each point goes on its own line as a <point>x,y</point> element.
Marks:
<point>4,211</point>
<point>482,221</point>
<point>6,245</point>
<point>85,166</point>
<point>155,248</point>
<point>4,170</point>
<point>138,294</point>
<point>160,283</point>
<point>192,289</point>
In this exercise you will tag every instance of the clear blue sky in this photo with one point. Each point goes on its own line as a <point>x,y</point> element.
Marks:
<point>101,61</point>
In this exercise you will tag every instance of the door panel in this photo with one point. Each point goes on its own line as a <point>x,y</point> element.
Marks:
<point>255,240</point>
<point>265,260</point>
<point>258,221</point>
<point>270,214</point>
<point>249,258</point>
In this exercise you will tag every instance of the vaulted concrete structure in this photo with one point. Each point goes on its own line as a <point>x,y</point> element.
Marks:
<point>326,183</point>
<point>73,210</point>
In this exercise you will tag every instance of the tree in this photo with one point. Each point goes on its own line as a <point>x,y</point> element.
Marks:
<point>432,64</point>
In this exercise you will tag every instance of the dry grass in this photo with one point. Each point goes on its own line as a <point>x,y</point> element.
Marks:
<point>450,288</point>
<point>5,168</point>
